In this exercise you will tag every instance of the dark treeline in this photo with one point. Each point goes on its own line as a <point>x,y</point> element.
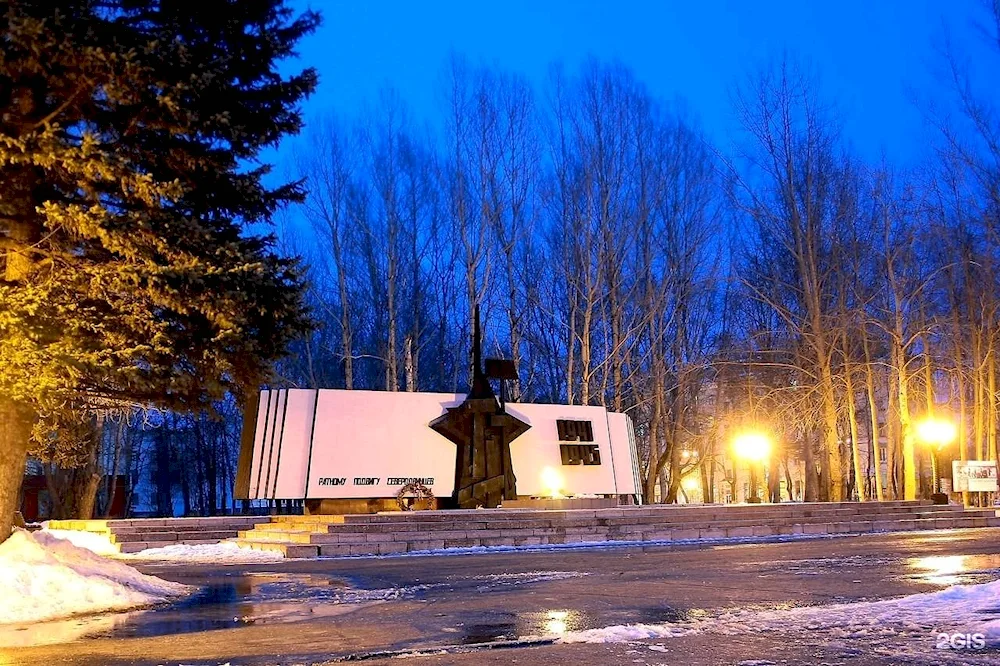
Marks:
<point>781,281</point>
<point>621,259</point>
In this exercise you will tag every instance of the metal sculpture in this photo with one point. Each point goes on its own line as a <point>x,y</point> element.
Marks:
<point>482,430</point>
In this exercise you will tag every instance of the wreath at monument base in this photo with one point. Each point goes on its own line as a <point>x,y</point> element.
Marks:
<point>422,496</point>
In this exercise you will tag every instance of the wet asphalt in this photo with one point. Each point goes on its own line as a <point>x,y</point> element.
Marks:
<point>511,608</point>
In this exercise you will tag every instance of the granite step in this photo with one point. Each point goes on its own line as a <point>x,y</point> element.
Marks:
<point>390,533</point>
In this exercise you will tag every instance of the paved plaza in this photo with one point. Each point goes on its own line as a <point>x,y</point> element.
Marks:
<point>518,607</point>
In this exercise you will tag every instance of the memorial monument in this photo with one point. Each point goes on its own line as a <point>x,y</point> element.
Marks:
<point>482,430</point>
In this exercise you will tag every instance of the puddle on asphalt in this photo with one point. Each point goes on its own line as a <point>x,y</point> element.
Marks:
<point>258,598</point>
<point>241,600</point>
<point>494,626</point>
<point>941,570</point>
<point>947,570</point>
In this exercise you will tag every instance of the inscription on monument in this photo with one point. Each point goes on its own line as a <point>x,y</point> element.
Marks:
<point>332,481</point>
<point>580,454</point>
<point>403,480</point>
<point>575,431</point>
<point>358,481</point>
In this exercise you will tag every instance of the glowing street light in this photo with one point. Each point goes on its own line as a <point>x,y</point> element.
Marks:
<point>937,434</point>
<point>754,447</point>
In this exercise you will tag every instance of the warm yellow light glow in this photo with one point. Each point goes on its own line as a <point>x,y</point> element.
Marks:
<point>936,432</point>
<point>555,622</point>
<point>941,569</point>
<point>552,481</point>
<point>754,446</point>
<point>691,483</point>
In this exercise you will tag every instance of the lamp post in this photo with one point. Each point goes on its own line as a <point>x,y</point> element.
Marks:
<point>754,447</point>
<point>936,434</point>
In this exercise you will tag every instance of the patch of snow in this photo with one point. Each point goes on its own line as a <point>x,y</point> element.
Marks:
<point>964,609</point>
<point>721,542</point>
<point>960,608</point>
<point>92,541</point>
<point>225,552</point>
<point>43,577</point>
<point>496,580</point>
<point>625,633</point>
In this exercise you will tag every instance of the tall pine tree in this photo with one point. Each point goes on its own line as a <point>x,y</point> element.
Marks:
<point>129,137</point>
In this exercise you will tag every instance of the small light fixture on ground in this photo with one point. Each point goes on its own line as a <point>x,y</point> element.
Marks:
<point>754,447</point>
<point>552,480</point>
<point>937,433</point>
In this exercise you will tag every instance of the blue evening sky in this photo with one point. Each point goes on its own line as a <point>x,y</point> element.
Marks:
<point>871,57</point>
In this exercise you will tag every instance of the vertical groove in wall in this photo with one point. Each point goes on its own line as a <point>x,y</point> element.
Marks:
<point>312,437</point>
<point>263,441</point>
<point>274,430</point>
<point>281,444</point>
<point>611,447</point>
<point>635,459</point>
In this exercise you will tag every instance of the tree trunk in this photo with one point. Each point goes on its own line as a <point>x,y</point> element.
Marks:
<point>852,418</point>
<point>408,366</point>
<point>15,431</point>
<point>906,429</point>
<point>960,389</point>
<point>876,450</point>
<point>788,480</point>
<point>991,405</point>
<point>811,494</point>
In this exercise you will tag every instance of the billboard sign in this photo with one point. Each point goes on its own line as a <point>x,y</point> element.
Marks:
<point>974,475</point>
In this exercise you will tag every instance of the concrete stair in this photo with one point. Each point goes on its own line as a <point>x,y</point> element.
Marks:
<point>387,533</point>
<point>133,535</point>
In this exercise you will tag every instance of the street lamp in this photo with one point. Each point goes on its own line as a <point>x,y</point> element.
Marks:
<point>937,434</point>
<point>754,447</point>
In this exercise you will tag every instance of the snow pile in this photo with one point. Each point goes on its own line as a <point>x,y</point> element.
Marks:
<point>966,609</point>
<point>961,608</point>
<point>92,541</point>
<point>625,633</point>
<point>43,577</point>
<point>212,553</point>
<point>502,579</point>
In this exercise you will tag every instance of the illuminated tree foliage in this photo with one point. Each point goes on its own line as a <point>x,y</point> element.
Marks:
<point>129,134</point>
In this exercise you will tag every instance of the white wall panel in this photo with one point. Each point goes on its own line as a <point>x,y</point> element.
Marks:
<point>623,446</point>
<point>263,424</point>
<point>369,443</point>
<point>538,449</point>
<point>272,444</point>
<point>365,441</point>
<point>288,481</point>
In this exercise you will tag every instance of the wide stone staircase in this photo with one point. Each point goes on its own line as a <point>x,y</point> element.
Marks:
<point>134,535</point>
<point>398,532</point>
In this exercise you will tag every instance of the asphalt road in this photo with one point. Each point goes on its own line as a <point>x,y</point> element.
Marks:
<point>505,608</point>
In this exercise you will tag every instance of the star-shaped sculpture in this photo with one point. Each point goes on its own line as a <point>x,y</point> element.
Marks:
<point>482,430</point>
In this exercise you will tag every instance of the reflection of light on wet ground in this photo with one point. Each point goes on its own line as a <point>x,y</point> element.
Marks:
<point>258,598</point>
<point>556,622</point>
<point>251,598</point>
<point>57,631</point>
<point>495,626</point>
<point>941,569</point>
<point>949,570</point>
